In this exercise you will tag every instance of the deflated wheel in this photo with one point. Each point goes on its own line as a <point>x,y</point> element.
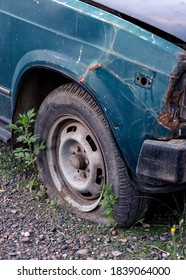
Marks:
<point>81,156</point>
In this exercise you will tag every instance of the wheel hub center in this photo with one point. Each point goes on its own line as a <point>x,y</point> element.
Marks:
<point>78,161</point>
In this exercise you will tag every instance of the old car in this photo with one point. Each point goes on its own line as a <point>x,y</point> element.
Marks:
<point>108,81</point>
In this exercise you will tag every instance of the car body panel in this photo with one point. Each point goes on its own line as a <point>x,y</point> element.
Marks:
<point>97,49</point>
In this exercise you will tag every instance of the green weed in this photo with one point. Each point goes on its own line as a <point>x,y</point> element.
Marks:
<point>178,233</point>
<point>54,203</point>
<point>30,149</point>
<point>108,202</point>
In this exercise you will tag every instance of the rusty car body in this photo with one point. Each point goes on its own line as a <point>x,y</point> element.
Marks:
<point>108,79</point>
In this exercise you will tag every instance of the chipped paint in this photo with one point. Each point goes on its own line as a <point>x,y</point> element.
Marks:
<point>170,118</point>
<point>36,1</point>
<point>80,55</point>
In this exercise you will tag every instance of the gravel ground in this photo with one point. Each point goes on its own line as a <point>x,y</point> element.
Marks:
<point>30,228</point>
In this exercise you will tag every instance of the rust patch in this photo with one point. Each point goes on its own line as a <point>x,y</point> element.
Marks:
<point>170,117</point>
<point>167,120</point>
<point>90,69</point>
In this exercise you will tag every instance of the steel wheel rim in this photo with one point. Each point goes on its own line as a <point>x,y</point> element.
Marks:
<point>75,162</point>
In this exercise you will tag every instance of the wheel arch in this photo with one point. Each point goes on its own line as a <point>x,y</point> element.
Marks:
<point>37,82</point>
<point>38,73</point>
<point>51,68</point>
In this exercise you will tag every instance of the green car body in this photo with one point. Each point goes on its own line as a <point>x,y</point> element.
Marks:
<point>135,74</point>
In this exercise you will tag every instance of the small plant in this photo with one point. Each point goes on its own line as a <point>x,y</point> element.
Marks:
<point>173,234</point>
<point>29,151</point>
<point>109,200</point>
<point>178,234</point>
<point>30,148</point>
<point>54,203</point>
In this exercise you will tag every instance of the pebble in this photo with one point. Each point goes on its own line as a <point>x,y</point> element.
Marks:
<point>61,221</point>
<point>129,250</point>
<point>145,225</point>
<point>107,240</point>
<point>165,255</point>
<point>123,241</point>
<point>41,237</point>
<point>134,248</point>
<point>25,239</point>
<point>26,234</point>
<point>76,247</point>
<point>134,238</point>
<point>13,254</point>
<point>10,237</point>
<point>163,238</point>
<point>69,241</point>
<point>64,247</point>
<point>86,238</point>
<point>82,252</point>
<point>116,253</point>
<point>14,211</point>
<point>113,232</point>
<point>53,229</point>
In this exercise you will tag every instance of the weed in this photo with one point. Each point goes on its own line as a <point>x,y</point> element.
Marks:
<point>37,188</point>
<point>109,200</point>
<point>30,148</point>
<point>54,203</point>
<point>178,235</point>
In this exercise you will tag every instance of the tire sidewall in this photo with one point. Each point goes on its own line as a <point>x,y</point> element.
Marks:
<point>60,103</point>
<point>73,100</point>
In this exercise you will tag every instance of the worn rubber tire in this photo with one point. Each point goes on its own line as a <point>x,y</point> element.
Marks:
<point>71,99</point>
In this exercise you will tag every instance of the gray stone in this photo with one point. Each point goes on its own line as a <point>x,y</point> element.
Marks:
<point>82,252</point>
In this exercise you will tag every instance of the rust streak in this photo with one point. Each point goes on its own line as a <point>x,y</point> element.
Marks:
<point>90,69</point>
<point>94,67</point>
<point>83,78</point>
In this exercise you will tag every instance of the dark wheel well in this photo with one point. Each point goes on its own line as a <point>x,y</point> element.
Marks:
<point>34,86</point>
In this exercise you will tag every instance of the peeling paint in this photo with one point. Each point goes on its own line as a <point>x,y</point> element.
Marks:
<point>170,118</point>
